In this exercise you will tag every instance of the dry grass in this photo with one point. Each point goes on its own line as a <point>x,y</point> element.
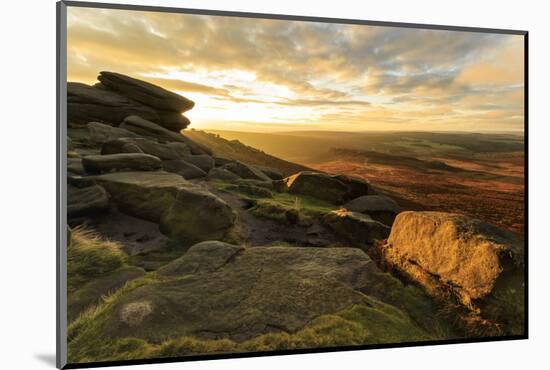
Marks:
<point>89,255</point>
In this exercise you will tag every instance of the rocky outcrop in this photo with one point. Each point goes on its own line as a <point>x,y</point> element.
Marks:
<point>185,169</point>
<point>356,227</point>
<point>168,151</point>
<point>144,195</point>
<point>122,161</point>
<point>335,189</point>
<point>254,291</point>
<point>144,92</point>
<point>356,186</point>
<point>74,166</point>
<point>245,171</point>
<point>183,210</point>
<point>197,214</point>
<point>117,96</point>
<point>202,161</point>
<point>87,201</point>
<point>101,133</point>
<point>90,104</point>
<point>222,174</point>
<point>379,207</point>
<point>318,185</point>
<point>458,258</point>
<point>272,173</point>
<point>150,129</point>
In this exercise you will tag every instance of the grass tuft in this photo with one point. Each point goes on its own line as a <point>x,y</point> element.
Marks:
<point>90,256</point>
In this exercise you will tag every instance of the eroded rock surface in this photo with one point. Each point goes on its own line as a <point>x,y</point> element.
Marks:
<point>217,290</point>
<point>456,257</point>
<point>121,161</point>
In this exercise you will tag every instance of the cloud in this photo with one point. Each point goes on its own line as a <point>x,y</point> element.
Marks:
<point>343,72</point>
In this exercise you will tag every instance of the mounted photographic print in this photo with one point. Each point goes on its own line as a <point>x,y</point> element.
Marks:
<point>238,184</point>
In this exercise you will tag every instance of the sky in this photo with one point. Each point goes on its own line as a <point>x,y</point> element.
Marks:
<point>272,75</point>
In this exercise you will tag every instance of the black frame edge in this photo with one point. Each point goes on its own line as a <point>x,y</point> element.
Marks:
<point>225,356</point>
<point>526,175</point>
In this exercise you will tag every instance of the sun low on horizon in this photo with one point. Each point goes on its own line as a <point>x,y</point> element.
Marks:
<point>247,74</point>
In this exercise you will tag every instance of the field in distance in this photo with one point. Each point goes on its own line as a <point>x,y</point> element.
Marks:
<point>480,175</point>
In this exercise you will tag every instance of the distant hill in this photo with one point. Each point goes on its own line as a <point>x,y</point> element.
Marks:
<point>234,149</point>
<point>313,146</point>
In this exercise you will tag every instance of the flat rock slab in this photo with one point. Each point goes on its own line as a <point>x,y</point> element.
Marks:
<point>119,162</point>
<point>217,290</point>
<point>144,195</point>
<point>165,151</point>
<point>92,104</point>
<point>144,92</point>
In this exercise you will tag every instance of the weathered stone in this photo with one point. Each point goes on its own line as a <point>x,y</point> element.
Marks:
<point>222,174</point>
<point>220,161</point>
<point>74,166</point>
<point>122,161</point>
<point>147,128</point>
<point>86,201</point>
<point>90,104</point>
<point>141,145</point>
<point>173,121</point>
<point>272,173</point>
<point>357,186</point>
<point>318,185</point>
<point>101,133</point>
<point>145,195</point>
<point>202,161</point>
<point>144,92</point>
<point>456,257</point>
<point>356,227</point>
<point>197,215</point>
<point>379,207</point>
<point>217,290</point>
<point>245,171</point>
<point>144,127</point>
<point>251,190</point>
<point>185,169</point>
<point>91,292</point>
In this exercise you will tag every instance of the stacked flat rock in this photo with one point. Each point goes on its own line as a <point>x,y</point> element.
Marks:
<point>117,96</point>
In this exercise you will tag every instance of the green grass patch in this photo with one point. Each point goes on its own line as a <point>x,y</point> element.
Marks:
<point>358,325</point>
<point>290,208</point>
<point>278,206</point>
<point>90,256</point>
